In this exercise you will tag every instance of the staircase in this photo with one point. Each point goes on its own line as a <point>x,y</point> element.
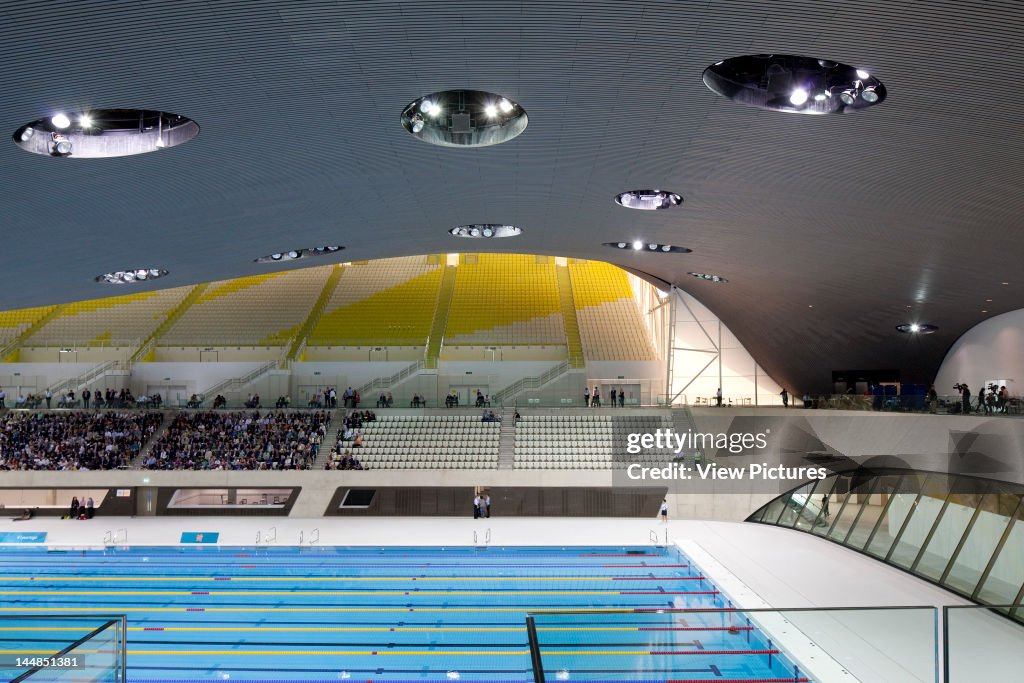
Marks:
<point>10,353</point>
<point>572,325</point>
<point>511,391</point>
<point>366,391</point>
<point>110,367</point>
<point>444,300</point>
<point>136,463</point>
<point>330,439</point>
<point>235,384</point>
<point>146,352</point>
<point>507,442</point>
<point>299,342</point>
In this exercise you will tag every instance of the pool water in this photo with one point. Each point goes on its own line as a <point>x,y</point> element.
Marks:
<point>392,614</point>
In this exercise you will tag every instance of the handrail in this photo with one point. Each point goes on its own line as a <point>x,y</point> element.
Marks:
<point>385,382</point>
<point>96,372</point>
<point>532,382</point>
<point>241,381</point>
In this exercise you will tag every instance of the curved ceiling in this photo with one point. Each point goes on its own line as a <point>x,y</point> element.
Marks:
<point>915,202</point>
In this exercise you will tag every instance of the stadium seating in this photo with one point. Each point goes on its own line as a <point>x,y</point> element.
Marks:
<point>13,323</point>
<point>585,441</point>
<point>74,440</point>
<point>505,299</point>
<point>263,310</point>
<point>114,321</point>
<point>609,320</point>
<point>388,302</point>
<point>441,441</point>
<point>240,441</point>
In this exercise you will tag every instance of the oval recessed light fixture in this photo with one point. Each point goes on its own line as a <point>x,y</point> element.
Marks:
<point>708,277</point>
<point>640,245</point>
<point>917,328</point>
<point>485,231</point>
<point>124,277</point>
<point>298,253</point>
<point>100,133</point>
<point>793,83</point>
<point>464,118</point>
<point>648,200</point>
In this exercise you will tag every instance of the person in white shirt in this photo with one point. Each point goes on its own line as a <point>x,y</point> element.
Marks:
<point>664,511</point>
<point>476,507</point>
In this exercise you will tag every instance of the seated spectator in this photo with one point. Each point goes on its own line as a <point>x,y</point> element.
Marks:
<point>73,441</point>
<point>193,401</point>
<point>417,401</point>
<point>390,400</point>
<point>282,402</point>
<point>240,441</point>
<point>220,401</point>
<point>315,402</point>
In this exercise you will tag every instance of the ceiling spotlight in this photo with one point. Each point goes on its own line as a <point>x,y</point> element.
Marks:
<point>505,105</point>
<point>638,245</point>
<point>870,95</point>
<point>709,278</point>
<point>798,97</point>
<point>61,145</point>
<point>621,245</point>
<point>434,110</point>
<point>491,111</point>
<point>293,254</point>
<point>652,247</point>
<point>485,230</point>
<point>60,121</point>
<point>474,232</point>
<point>666,247</point>
<point>27,133</point>
<point>488,231</point>
<point>85,121</point>
<point>848,96</point>
<point>417,123</point>
<point>917,328</point>
<point>648,200</point>
<point>426,106</point>
<point>121,277</point>
<point>276,257</point>
<point>862,74</point>
<point>820,97</point>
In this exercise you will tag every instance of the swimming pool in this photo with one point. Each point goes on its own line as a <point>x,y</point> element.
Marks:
<point>390,614</point>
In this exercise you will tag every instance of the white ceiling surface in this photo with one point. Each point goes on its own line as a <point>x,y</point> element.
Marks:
<point>914,202</point>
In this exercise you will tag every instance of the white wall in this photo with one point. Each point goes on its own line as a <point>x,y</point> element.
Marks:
<point>33,378</point>
<point>993,349</point>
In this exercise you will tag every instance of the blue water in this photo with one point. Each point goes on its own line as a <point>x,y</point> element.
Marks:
<point>392,614</point>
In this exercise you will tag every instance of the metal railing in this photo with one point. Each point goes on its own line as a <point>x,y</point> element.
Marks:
<point>390,381</point>
<point>239,382</point>
<point>531,382</point>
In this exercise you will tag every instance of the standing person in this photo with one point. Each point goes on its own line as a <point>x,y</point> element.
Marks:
<point>785,398</point>
<point>90,509</point>
<point>49,397</point>
<point>74,507</point>
<point>3,399</point>
<point>595,397</point>
<point>614,396</point>
<point>718,397</point>
<point>824,507</point>
<point>933,400</point>
<point>965,395</point>
<point>586,396</point>
<point>664,511</point>
<point>476,506</point>
<point>487,505</point>
<point>622,397</point>
<point>86,395</point>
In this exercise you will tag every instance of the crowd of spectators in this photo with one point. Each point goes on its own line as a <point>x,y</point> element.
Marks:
<point>73,441</point>
<point>240,441</point>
